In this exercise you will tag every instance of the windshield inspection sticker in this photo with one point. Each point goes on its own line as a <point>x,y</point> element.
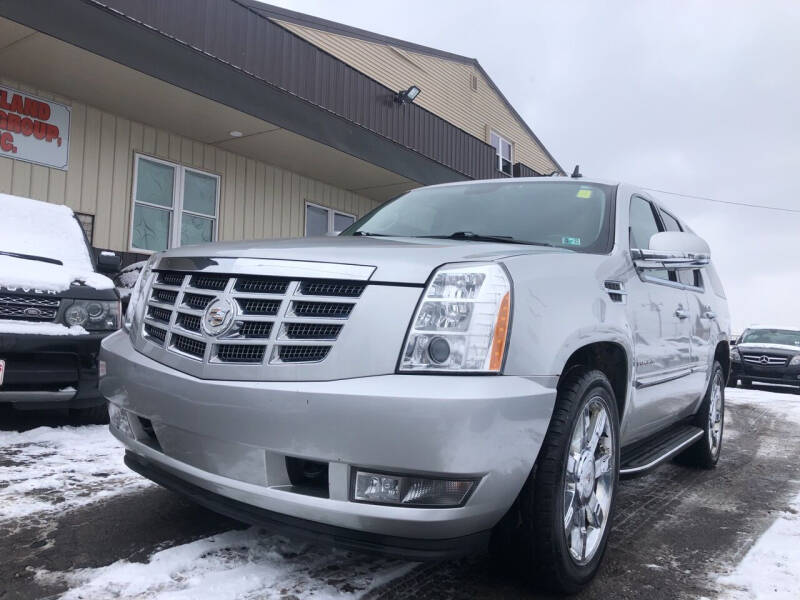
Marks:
<point>571,241</point>
<point>584,193</point>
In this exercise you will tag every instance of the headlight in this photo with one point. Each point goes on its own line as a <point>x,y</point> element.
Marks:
<point>137,294</point>
<point>735,356</point>
<point>462,321</point>
<point>795,361</point>
<point>93,315</point>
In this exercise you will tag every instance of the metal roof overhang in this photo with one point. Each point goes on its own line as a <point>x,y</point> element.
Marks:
<point>108,33</point>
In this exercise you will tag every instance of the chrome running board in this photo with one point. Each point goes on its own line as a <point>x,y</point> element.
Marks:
<point>648,454</point>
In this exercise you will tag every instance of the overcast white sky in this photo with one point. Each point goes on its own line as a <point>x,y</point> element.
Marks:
<point>700,98</point>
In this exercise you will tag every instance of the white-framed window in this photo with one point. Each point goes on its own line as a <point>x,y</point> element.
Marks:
<point>321,220</point>
<point>504,150</point>
<point>173,205</point>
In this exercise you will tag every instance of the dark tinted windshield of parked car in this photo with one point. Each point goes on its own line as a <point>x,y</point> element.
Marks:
<point>786,337</point>
<point>565,214</point>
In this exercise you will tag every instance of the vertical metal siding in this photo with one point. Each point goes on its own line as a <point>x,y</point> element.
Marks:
<point>446,86</point>
<point>237,35</point>
<point>257,200</point>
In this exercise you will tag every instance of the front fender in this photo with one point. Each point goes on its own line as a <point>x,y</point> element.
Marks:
<point>560,306</point>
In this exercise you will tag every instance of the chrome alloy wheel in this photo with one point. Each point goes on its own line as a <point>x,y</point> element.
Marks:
<point>716,412</point>
<point>589,481</point>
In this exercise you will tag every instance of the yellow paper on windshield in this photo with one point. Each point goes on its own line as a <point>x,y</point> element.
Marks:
<point>584,193</point>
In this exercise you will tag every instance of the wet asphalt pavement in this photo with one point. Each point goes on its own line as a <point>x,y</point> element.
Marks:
<point>673,530</point>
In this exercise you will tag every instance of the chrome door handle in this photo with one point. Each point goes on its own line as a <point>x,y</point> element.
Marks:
<point>682,313</point>
<point>710,314</point>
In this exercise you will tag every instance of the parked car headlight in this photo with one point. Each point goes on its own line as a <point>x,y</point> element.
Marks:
<point>795,361</point>
<point>735,356</point>
<point>93,315</point>
<point>138,292</point>
<point>462,321</point>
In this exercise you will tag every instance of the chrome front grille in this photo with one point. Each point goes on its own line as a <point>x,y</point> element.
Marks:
<point>274,320</point>
<point>188,345</point>
<point>28,308</point>
<point>765,360</point>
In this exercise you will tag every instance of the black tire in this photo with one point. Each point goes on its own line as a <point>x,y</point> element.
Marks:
<point>702,453</point>
<point>746,383</point>
<point>93,415</point>
<point>534,527</point>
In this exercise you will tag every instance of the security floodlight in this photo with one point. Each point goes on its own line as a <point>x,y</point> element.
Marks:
<point>407,96</point>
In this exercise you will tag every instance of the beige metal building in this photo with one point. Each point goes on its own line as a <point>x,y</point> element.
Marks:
<point>198,120</point>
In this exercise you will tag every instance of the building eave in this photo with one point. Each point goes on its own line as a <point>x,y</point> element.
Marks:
<point>283,14</point>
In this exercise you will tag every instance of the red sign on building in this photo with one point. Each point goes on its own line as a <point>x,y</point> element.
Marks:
<point>33,129</point>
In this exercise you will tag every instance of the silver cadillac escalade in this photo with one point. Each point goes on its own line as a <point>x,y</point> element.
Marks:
<point>470,365</point>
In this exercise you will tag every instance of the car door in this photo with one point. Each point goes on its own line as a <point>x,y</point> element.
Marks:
<point>703,326</point>
<point>660,321</point>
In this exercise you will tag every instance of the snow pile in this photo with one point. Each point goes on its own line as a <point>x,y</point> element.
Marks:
<point>49,230</point>
<point>234,565</point>
<point>50,469</point>
<point>771,568</point>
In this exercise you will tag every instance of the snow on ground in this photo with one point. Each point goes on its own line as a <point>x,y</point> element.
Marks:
<point>48,230</point>
<point>237,565</point>
<point>771,568</point>
<point>50,469</point>
<point>786,404</point>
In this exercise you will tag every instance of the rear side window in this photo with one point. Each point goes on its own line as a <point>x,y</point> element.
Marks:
<point>685,276</point>
<point>716,283</point>
<point>670,222</point>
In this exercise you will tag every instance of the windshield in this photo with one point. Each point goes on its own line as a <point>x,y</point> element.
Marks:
<point>564,214</point>
<point>41,230</point>
<point>785,337</point>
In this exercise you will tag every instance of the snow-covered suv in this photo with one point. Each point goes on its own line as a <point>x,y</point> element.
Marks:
<point>470,364</point>
<point>54,309</point>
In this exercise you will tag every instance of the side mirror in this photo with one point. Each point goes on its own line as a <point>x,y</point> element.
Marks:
<point>108,262</point>
<point>673,249</point>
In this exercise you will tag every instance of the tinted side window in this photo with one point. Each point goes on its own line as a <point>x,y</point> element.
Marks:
<point>645,224</point>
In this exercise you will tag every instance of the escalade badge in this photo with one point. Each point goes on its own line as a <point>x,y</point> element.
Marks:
<point>218,316</point>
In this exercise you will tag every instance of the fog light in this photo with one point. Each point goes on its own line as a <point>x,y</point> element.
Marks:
<point>102,368</point>
<point>118,418</point>
<point>383,488</point>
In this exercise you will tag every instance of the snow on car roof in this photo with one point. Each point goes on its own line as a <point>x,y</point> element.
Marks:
<point>783,327</point>
<point>48,230</point>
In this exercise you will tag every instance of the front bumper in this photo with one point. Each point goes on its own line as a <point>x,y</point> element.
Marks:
<point>783,375</point>
<point>50,371</point>
<point>232,438</point>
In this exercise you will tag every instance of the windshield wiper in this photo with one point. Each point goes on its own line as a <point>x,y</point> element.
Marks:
<point>45,259</point>
<point>479,237</point>
<point>370,234</point>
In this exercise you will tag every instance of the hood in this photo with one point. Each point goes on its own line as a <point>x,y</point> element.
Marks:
<point>32,276</point>
<point>396,260</point>
<point>45,230</point>
<point>770,348</point>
